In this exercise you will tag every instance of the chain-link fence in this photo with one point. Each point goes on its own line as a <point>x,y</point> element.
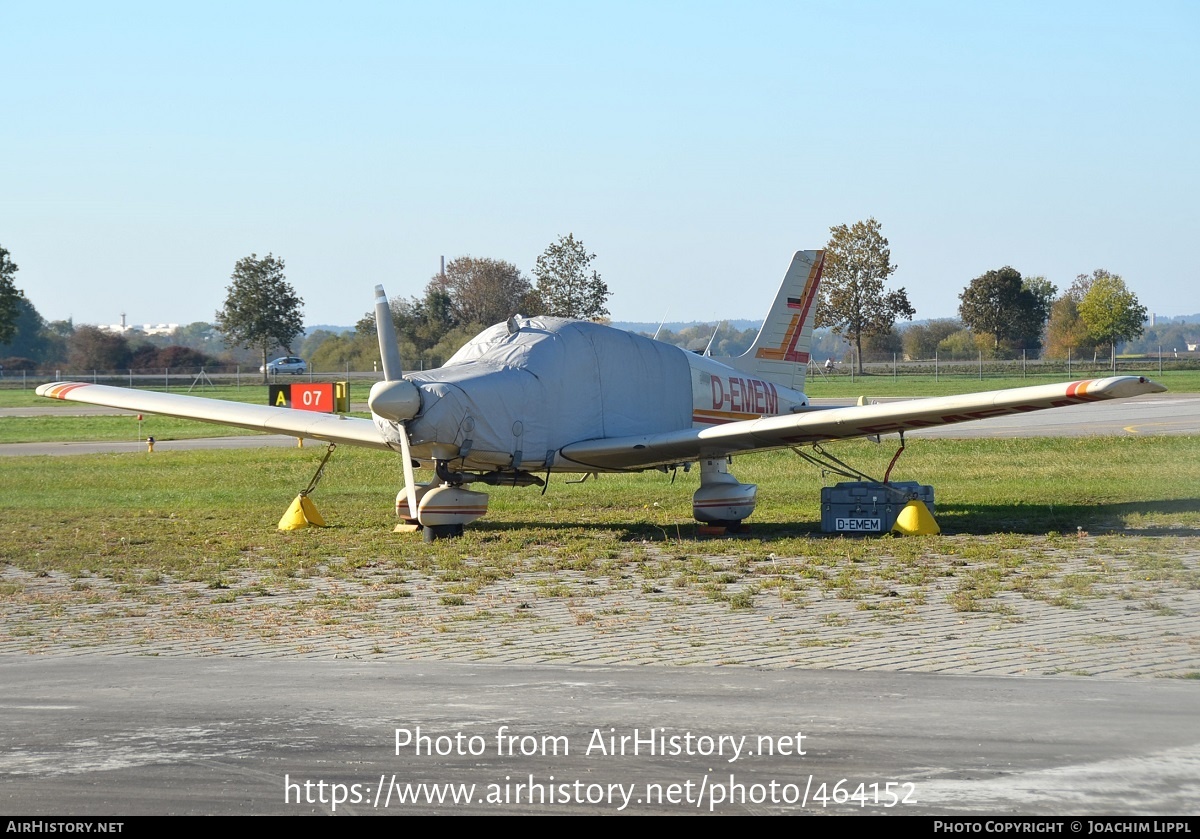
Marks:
<point>175,379</point>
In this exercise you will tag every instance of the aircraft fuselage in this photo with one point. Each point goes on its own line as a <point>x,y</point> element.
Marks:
<point>723,394</point>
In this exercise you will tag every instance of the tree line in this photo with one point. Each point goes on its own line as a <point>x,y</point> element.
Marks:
<point>262,313</point>
<point>1001,315</point>
<point>471,294</point>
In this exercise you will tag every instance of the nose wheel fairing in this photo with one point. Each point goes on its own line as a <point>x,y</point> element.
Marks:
<point>442,509</point>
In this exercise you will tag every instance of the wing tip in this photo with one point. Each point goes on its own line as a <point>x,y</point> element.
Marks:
<point>1121,387</point>
<point>57,390</point>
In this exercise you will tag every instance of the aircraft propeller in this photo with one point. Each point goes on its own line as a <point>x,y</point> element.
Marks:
<point>395,398</point>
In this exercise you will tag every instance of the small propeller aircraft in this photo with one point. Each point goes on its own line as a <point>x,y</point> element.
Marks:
<point>535,396</point>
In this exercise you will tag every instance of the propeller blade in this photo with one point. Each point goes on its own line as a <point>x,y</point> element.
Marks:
<point>395,398</point>
<point>410,481</point>
<point>389,349</point>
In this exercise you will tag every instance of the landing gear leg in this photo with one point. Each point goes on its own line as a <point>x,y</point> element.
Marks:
<point>433,532</point>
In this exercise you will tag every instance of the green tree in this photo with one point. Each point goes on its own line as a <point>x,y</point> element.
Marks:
<point>921,339</point>
<point>853,301</point>
<point>1013,311</point>
<point>28,339</point>
<point>1042,289</point>
<point>883,346</point>
<point>313,341</point>
<point>482,291</point>
<point>1067,336</point>
<point>564,285</point>
<point>1066,333</point>
<point>261,308</point>
<point>1169,337</point>
<point>10,298</point>
<point>199,336</point>
<point>420,323</point>
<point>90,348</point>
<point>1111,311</point>
<point>351,350</point>
<point>964,344</point>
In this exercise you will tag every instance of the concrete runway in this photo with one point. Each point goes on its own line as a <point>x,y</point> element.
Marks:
<point>120,736</point>
<point>123,734</point>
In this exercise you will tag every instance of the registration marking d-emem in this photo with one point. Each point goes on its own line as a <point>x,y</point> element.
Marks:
<point>872,525</point>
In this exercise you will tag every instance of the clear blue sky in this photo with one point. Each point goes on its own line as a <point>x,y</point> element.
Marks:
<point>693,146</point>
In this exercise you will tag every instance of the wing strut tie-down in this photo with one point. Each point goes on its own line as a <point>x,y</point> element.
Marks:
<point>302,513</point>
<point>828,464</point>
<point>888,473</point>
<point>914,519</point>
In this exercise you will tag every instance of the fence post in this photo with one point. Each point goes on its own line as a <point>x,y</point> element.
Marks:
<point>167,379</point>
<point>981,365</point>
<point>1160,360</point>
<point>93,375</point>
<point>893,368</point>
<point>131,377</point>
<point>935,365</point>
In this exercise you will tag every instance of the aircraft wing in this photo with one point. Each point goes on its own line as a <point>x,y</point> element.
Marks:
<point>827,424</point>
<point>332,428</point>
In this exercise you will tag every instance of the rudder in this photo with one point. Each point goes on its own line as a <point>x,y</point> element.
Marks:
<point>780,353</point>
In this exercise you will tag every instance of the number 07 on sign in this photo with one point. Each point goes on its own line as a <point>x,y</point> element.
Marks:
<point>323,397</point>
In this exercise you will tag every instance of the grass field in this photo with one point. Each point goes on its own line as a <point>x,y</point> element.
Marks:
<point>178,552</point>
<point>1018,515</point>
<point>53,429</point>
<point>195,514</point>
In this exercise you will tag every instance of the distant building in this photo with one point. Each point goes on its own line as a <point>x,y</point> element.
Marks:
<point>123,328</point>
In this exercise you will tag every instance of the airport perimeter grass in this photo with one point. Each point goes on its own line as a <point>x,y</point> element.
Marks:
<point>1015,514</point>
<point>54,429</point>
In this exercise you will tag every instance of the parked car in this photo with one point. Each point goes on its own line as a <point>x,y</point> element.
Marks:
<point>287,364</point>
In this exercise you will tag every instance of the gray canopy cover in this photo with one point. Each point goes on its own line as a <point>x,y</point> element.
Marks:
<point>551,383</point>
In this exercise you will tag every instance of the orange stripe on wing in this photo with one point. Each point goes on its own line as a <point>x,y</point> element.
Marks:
<point>61,391</point>
<point>1078,390</point>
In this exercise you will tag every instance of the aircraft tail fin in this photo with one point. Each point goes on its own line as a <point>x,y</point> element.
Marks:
<point>780,352</point>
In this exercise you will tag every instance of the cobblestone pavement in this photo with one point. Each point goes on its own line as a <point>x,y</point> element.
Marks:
<point>1121,624</point>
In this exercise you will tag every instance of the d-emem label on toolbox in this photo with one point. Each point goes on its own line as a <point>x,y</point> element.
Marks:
<point>857,525</point>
